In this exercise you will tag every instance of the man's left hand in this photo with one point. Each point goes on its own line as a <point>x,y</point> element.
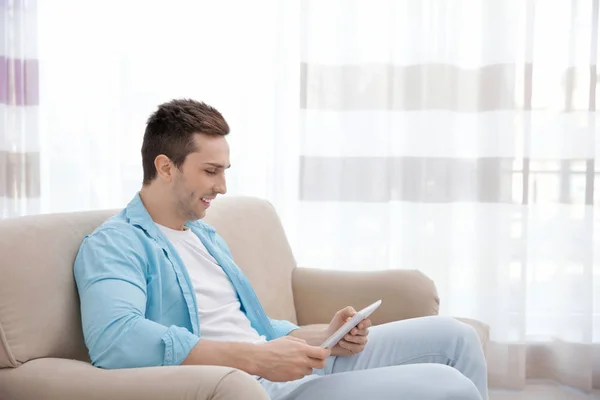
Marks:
<point>354,342</point>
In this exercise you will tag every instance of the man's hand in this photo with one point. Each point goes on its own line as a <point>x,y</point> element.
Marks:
<point>287,359</point>
<point>354,342</point>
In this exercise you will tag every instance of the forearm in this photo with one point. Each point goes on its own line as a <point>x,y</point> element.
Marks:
<point>242,356</point>
<point>313,334</point>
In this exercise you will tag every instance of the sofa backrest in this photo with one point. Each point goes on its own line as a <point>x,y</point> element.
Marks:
<point>39,305</point>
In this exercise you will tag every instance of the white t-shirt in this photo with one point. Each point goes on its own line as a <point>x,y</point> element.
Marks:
<point>219,310</point>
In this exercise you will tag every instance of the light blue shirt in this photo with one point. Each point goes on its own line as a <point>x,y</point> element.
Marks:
<point>138,306</point>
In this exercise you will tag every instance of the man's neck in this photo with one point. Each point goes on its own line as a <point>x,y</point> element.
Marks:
<point>161,208</point>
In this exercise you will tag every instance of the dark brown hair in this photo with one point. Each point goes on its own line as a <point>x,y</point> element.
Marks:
<point>170,131</point>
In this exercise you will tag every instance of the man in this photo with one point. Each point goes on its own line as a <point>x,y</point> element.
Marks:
<point>159,287</point>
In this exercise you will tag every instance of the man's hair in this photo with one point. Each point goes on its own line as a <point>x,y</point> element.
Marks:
<point>170,131</point>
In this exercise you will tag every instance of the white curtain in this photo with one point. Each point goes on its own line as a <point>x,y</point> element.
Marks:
<point>19,96</point>
<point>461,138</point>
<point>458,138</point>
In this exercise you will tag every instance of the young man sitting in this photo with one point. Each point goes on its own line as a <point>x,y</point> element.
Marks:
<point>159,287</point>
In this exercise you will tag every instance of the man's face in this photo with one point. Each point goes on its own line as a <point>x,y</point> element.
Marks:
<point>202,176</point>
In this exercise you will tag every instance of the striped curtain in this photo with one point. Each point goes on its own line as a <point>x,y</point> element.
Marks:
<point>461,139</point>
<point>19,137</point>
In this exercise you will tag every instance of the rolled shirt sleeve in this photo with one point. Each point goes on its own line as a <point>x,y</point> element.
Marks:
<point>282,327</point>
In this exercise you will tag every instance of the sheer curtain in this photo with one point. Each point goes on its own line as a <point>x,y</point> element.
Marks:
<point>456,138</point>
<point>460,138</point>
<point>19,134</point>
<point>105,66</point>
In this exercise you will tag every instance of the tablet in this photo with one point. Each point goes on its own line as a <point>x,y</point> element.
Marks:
<point>347,327</point>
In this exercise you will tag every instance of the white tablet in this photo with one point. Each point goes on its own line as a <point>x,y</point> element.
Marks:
<point>347,327</point>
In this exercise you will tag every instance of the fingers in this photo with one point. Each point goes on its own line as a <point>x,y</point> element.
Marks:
<point>317,364</point>
<point>365,323</point>
<point>359,332</point>
<point>312,352</point>
<point>351,347</point>
<point>317,357</point>
<point>362,329</point>
<point>347,312</point>
<point>356,339</point>
<point>317,353</point>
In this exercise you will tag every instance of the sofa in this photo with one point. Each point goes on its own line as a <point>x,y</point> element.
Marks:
<point>42,352</point>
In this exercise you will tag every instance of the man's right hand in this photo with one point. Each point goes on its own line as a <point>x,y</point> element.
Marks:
<point>288,358</point>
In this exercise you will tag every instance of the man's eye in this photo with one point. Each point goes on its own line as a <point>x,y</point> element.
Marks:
<point>211,172</point>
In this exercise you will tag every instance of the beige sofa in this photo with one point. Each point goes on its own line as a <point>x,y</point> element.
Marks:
<point>42,353</point>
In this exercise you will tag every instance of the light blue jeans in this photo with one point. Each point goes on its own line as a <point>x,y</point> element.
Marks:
<point>430,358</point>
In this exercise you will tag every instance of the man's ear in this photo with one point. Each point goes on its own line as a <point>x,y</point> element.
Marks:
<point>164,167</point>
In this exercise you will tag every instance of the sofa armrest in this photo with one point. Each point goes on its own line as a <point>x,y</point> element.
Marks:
<point>319,294</point>
<point>58,379</point>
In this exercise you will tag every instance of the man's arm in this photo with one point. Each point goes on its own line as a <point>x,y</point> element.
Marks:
<point>110,275</point>
<point>280,360</point>
<point>242,356</point>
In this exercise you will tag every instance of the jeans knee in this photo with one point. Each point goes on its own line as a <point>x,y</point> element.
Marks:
<point>470,333</point>
<point>455,329</point>
<point>463,390</point>
<point>453,385</point>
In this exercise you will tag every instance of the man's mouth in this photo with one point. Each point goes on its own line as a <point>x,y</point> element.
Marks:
<point>206,201</point>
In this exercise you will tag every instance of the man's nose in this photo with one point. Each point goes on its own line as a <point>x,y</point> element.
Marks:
<point>221,187</point>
